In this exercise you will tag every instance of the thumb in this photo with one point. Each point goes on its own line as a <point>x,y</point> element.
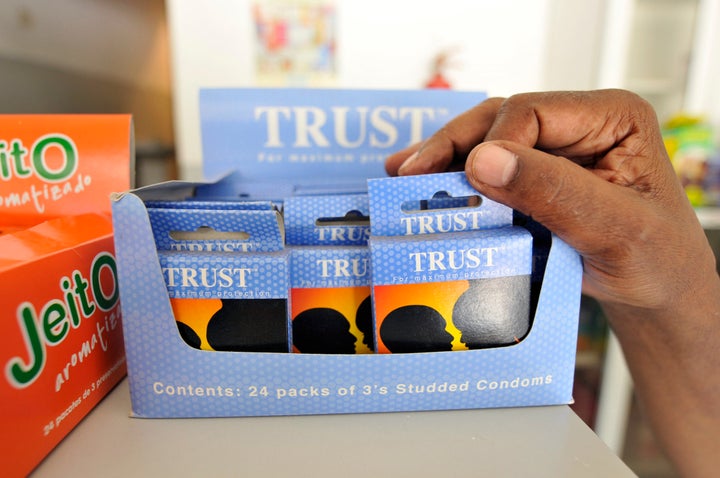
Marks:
<point>566,198</point>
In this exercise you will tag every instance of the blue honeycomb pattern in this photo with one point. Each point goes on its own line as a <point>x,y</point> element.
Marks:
<point>395,258</point>
<point>262,228</point>
<point>335,266</point>
<point>301,215</point>
<point>212,205</point>
<point>389,195</point>
<point>263,275</point>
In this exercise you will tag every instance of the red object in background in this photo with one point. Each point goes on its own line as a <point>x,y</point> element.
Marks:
<point>438,81</point>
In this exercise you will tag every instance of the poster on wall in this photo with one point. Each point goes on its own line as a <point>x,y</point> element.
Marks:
<point>295,42</point>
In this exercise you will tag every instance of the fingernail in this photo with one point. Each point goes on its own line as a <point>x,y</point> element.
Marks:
<point>493,165</point>
<point>407,163</point>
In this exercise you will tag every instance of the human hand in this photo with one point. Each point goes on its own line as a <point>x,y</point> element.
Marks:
<point>592,168</point>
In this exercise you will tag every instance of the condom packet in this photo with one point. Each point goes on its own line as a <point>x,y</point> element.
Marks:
<point>226,272</point>
<point>450,271</point>
<point>330,273</point>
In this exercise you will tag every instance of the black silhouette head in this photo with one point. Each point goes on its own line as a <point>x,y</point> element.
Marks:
<point>188,334</point>
<point>322,330</point>
<point>415,328</point>
<point>494,312</point>
<point>249,325</point>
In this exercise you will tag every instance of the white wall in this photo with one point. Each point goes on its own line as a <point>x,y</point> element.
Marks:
<point>574,44</point>
<point>88,56</point>
<point>703,94</point>
<point>381,44</point>
<point>390,44</point>
<point>121,40</point>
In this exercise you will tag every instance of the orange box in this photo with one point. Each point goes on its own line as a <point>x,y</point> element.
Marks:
<point>61,344</point>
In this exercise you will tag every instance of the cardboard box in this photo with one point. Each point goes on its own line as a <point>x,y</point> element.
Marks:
<point>61,343</point>
<point>168,378</point>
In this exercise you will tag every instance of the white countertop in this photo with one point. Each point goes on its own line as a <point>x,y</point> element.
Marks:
<point>519,442</point>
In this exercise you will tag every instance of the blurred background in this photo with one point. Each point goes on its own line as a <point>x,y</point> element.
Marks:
<point>149,57</point>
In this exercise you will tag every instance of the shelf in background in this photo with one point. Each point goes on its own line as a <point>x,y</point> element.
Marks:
<point>709,217</point>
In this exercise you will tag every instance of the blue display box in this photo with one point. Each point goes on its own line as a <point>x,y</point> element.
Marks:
<point>168,378</point>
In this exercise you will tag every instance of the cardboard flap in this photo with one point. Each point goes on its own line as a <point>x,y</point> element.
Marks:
<point>327,220</point>
<point>217,230</point>
<point>212,205</point>
<point>430,204</point>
